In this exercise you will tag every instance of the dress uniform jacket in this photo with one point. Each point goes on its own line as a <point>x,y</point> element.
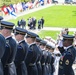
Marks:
<point>38,63</point>
<point>9,56</point>
<point>52,65</point>
<point>48,63</point>
<point>31,60</point>
<point>2,49</point>
<point>22,50</point>
<point>43,60</point>
<point>66,62</point>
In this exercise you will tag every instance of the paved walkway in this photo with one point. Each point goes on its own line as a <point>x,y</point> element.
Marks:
<point>51,29</point>
<point>57,28</point>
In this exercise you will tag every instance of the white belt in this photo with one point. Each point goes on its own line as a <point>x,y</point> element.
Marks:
<point>9,64</point>
<point>32,64</point>
<point>43,63</point>
<point>38,62</point>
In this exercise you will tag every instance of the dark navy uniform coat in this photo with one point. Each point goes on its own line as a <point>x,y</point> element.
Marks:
<point>52,66</point>
<point>38,63</point>
<point>48,63</point>
<point>2,49</point>
<point>9,56</point>
<point>43,60</point>
<point>31,59</point>
<point>22,50</point>
<point>66,62</point>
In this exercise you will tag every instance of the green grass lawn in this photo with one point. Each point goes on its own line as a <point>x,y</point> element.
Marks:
<point>55,16</point>
<point>52,34</point>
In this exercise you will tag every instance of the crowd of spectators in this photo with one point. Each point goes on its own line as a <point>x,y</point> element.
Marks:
<point>20,7</point>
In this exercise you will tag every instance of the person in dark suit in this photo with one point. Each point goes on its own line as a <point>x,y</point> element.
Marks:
<point>23,23</point>
<point>32,55</point>
<point>39,24</point>
<point>42,22</point>
<point>68,57</point>
<point>22,50</point>
<point>19,23</point>
<point>10,49</point>
<point>34,22</point>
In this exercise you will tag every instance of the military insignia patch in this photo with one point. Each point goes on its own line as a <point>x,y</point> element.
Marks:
<point>60,62</point>
<point>67,62</point>
<point>7,41</point>
<point>69,50</point>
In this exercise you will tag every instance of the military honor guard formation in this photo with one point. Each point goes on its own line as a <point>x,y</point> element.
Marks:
<point>25,53</point>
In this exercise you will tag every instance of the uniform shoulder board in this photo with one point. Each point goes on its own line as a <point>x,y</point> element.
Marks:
<point>70,52</point>
<point>7,41</point>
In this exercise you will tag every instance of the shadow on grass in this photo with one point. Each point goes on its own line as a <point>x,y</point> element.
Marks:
<point>74,13</point>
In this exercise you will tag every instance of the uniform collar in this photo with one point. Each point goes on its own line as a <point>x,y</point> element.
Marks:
<point>67,47</point>
<point>46,50</point>
<point>42,49</point>
<point>8,37</point>
<point>20,41</point>
<point>32,43</point>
